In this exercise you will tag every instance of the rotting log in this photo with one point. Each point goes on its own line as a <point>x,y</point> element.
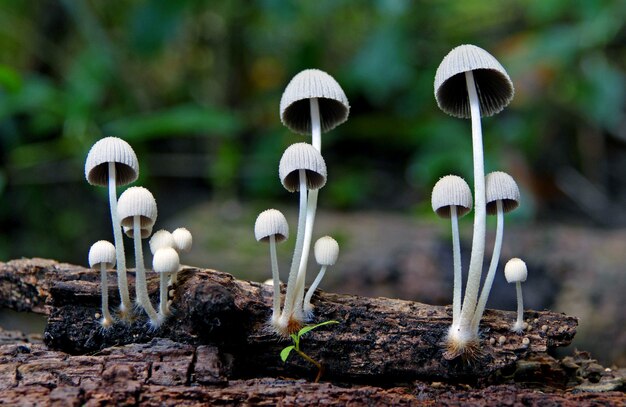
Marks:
<point>379,340</point>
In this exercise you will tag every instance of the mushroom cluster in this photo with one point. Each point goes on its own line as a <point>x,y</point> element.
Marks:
<point>312,103</point>
<point>471,83</point>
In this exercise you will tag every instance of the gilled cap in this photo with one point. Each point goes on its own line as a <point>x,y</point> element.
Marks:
<point>166,260</point>
<point>326,251</point>
<point>295,110</point>
<point>493,85</point>
<point>102,252</point>
<point>182,240</point>
<point>271,222</point>
<point>137,201</point>
<point>451,190</point>
<point>105,151</point>
<point>302,156</point>
<point>515,271</point>
<point>161,238</point>
<point>500,186</point>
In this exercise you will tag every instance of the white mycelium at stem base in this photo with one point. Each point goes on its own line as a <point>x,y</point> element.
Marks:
<point>164,262</point>
<point>111,162</point>
<point>452,198</point>
<point>102,255</point>
<point>271,226</point>
<point>515,271</point>
<point>137,209</point>
<point>326,251</point>
<point>502,196</point>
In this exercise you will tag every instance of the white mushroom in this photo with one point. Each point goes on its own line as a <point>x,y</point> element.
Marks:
<point>183,241</point>
<point>164,262</point>
<point>102,255</point>
<point>326,251</point>
<point>515,271</point>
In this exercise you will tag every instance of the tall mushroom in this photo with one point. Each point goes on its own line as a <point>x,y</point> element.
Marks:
<point>502,197</point>
<point>102,255</point>
<point>111,162</point>
<point>471,83</point>
<point>515,271</point>
<point>164,262</point>
<point>452,198</point>
<point>183,241</point>
<point>326,251</point>
<point>271,226</point>
<point>137,209</point>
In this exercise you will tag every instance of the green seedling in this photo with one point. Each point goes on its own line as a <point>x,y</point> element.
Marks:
<point>284,354</point>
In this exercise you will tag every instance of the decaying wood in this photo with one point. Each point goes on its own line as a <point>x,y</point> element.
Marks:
<point>378,340</point>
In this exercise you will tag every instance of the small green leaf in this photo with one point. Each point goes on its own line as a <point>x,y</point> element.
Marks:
<point>284,354</point>
<point>312,327</point>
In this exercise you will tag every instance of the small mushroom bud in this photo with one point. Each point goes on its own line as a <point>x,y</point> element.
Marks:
<point>515,271</point>
<point>182,243</point>
<point>102,255</point>
<point>326,251</point>
<point>161,239</point>
<point>164,262</point>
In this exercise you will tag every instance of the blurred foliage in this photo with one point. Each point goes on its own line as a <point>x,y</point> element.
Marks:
<point>194,86</point>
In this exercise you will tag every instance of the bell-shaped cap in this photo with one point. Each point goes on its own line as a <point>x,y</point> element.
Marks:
<point>302,156</point>
<point>144,233</point>
<point>182,240</point>
<point>500,186</point>
<point>166,260</point>
<point>326,251</point>
<point>295,110</point>
<point>493,85</point>
<point>451,190</point>
<point>102,253</point>
<point>105,151</point>
<point>137,201</point>
<point>161,238</point>
<point>515,271</point>
<point>271,222</point>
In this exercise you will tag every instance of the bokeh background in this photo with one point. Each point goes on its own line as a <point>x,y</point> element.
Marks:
<point>194,86</point>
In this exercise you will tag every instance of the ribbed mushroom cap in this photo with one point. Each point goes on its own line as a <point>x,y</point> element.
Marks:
<point>295,111</point>
<point>515,270</point>
<point>493,85</point>
<point>182,240</point>
<point>111,149</point>
<point>302,156</point>
<point>161,238</point>
<point>144,232</point>
<point>500,186</point>
<point>326,251</point>
<point>166,260</point>
<point>271,222</point>
<point>137,201</point>
<point>102,252</point>
<point>451,190</point>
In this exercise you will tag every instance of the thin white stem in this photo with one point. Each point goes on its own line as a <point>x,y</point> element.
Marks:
<point>307,299</point>
<point>141,287</point>
<point>519,324</point>
<point>478,239</point>
<point>163,290</point>
<point>316,126</point>
<point>122,282</point>
<point>493,266</point>
<point>276,279</point>
<point>174,277</point>
<point>308,233</point>
<point>456,255</point>
<point>104,288</point>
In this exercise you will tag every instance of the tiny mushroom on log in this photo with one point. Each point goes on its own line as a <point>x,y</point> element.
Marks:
<point>515,271</point>
<point>164,262</point>
<point>160,239</point>
<point>102,255</point>
<point>183,240</point>
<point>326,251</point>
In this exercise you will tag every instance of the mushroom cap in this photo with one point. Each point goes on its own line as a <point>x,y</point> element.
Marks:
<point>166,260</point>
<point>137,201</point>
<point>271,222</point>
<point>500,186</point>
<point>130,232</point>
<point>515,271</point>
<point>493,85</point>
<point>182,240</point>
<point>302,156</point>
<point>161,238</point>
<point>102,252</point>
<point>111,149</point>
<point>451,190</point>
<point>326,251</point>
<point>295,111</point>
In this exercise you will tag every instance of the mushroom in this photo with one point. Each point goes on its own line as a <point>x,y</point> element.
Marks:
<point>515,271</point>
<point>452,198</point>
<point>182,243</point>
<point>111,162</point>
<point>160,239</point>
<point>470,82</point>
<point>271,226</point>
<point>164,262</point>
<point>144,232</point>
<point>102,255</point>
<point>137,209</point>
<point>502,197</point>
<point>326,251</point>
<point>301,168</point>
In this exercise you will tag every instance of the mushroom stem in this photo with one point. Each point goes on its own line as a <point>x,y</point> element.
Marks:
<point>307,299</point>
<point>316,127</point>
<point>480,214</point>
<point>107,319</point>
<point>276,278</point>
<point>493,265</point>
<point>141,287</point>
<point>122,282</point>
<point>304,259</point>
<point>456,255</point>
<point>163,290</point>
<point>519,323</point>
